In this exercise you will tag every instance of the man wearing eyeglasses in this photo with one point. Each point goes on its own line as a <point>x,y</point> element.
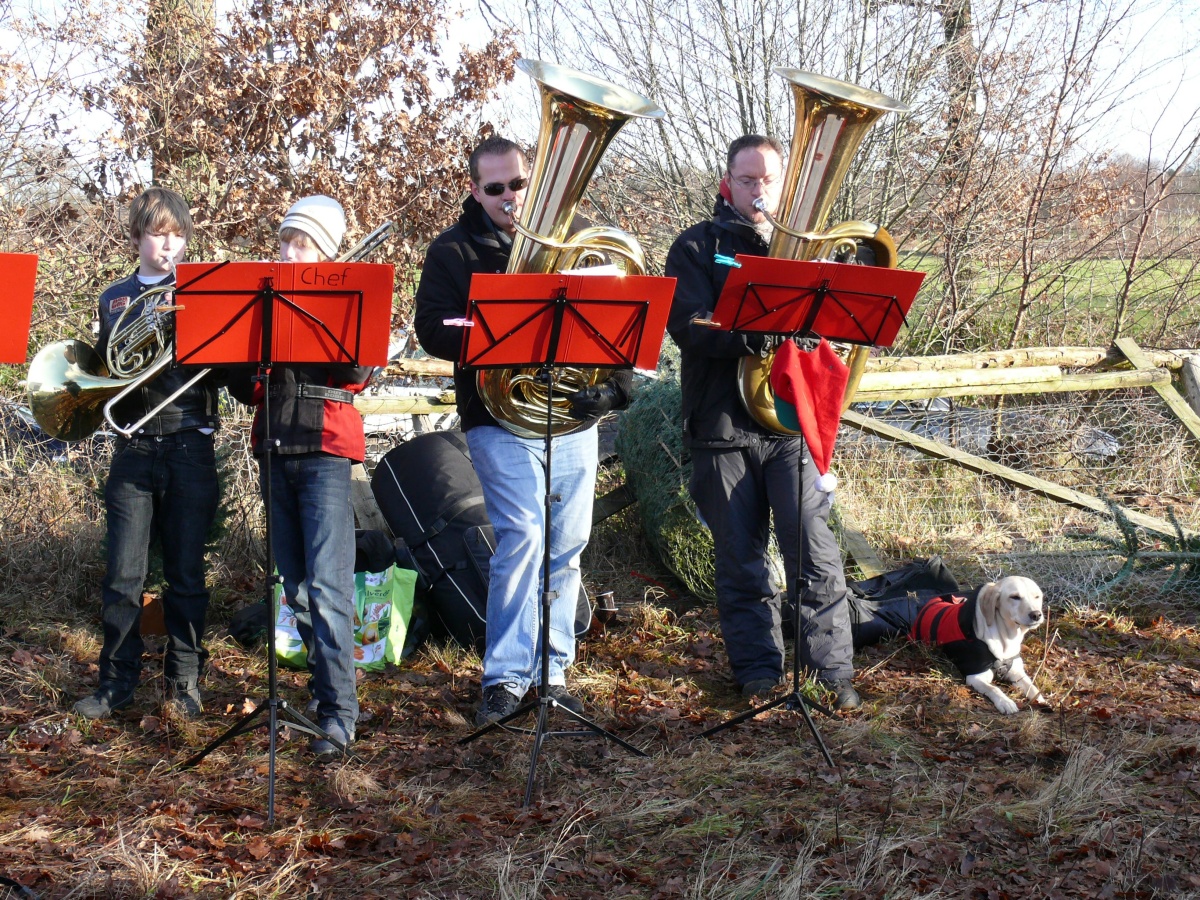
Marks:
<point>510,467</point>
<point>742,473</point>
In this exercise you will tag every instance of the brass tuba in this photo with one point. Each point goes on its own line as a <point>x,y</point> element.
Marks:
<point>832,117</point>
<point>72,390</point>
<point>580,117</point>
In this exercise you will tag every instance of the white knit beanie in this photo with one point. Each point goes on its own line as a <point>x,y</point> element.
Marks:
<point>321,218</point>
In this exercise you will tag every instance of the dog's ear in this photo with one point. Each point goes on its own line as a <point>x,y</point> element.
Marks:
<point>988,601</point>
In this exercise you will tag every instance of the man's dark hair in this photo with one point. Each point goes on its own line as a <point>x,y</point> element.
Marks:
<point>751,142</point>
<point>493,146</point>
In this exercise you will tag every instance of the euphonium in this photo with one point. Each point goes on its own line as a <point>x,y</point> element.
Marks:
<point>580,117</point>
<point>832,117</point>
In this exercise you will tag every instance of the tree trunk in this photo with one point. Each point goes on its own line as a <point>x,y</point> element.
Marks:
<point>961,231</point>
<point>176,34</point>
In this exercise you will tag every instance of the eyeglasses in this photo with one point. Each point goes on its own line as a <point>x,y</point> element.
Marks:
<point>496,188</point>
<point>749,183</point>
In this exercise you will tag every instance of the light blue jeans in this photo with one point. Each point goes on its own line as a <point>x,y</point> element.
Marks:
<point>511,472</point>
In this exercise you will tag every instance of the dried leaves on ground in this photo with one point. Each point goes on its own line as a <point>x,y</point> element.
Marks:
<point>934,793</point>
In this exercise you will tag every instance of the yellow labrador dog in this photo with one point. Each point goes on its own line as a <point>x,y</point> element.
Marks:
<point>982,635</point>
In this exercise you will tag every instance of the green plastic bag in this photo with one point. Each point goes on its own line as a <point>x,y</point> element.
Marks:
<point>383,605</point>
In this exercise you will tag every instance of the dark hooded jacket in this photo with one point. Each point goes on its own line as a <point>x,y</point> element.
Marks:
<point>472,245</point>
<point>713,415</point>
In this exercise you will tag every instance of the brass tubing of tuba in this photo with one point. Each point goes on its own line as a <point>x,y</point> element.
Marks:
<point>580,117</point>
<point>832,117</point>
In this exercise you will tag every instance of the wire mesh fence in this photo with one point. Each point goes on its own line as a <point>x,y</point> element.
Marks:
<point>1124,447</point>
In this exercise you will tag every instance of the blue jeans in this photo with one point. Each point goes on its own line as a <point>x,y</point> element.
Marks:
<point>164,486</point>
<point>312,536</point>
<point>514,489</point>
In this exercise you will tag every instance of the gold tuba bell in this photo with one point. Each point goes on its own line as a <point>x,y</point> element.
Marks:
<point>832,117</point>
<point>580,117</point>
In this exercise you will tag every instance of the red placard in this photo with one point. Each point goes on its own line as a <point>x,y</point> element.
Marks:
<point>321,312</point>
<point>604,320</point>
<point>839,301</point>
<point>19,271</point>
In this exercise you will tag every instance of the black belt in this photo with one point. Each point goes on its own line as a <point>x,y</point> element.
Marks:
<point>313,391</point>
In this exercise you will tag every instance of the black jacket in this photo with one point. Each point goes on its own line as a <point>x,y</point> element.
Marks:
<point>713,414</point>
<point>471,245</point>
<point>948,622</point>
<point>194,408</point>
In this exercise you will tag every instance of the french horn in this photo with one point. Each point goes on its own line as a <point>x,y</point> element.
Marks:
<point>72,390</point>
<point>832,118</point>
<point>580,117</point>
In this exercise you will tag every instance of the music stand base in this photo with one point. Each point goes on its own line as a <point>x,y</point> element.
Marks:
<point>272,708</point>
<point>543,705</point>
<point>792,701</point>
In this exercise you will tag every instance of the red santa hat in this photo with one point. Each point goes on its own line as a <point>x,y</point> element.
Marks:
<point>808,389</point>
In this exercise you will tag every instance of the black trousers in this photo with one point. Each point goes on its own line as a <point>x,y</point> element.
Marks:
<point>166,486</point>
<point>738,492</point>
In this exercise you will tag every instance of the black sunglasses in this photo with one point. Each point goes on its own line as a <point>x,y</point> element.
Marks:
<point>496,188</point>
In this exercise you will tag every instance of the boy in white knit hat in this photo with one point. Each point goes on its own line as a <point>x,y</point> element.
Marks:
<point>316,434</point>
<point>312,230</point>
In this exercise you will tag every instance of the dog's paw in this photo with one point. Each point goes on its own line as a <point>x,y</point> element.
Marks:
<point>1041,700</point>
<point>1006,705</point>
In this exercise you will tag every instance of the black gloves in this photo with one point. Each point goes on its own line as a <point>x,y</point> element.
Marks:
<point>597,400</point>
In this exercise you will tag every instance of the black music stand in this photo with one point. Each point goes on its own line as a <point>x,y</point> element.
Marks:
<point>841,302</point>
<point>209,332</point>
<point>20,271</point>
<point>545,321</point>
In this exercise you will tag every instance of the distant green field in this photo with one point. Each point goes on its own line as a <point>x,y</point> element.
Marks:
<point>1076,304</point>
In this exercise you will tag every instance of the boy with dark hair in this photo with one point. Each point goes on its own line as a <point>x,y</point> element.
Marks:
<point>162,481</point>
<point>316,433</point>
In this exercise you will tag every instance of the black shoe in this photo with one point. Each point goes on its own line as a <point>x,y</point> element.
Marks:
<point>558,693</point>
<point>845,696</point>
<point>185,697</point>
<point>498,702</point>
<point>324,748</point>
<point>759,688</point>
<point>107,699</point>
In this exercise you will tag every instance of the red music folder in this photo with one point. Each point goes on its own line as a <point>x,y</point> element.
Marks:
<point>327,312</point>
<point>606,320</point>
<point>839,301</point>
<point>19,272</point>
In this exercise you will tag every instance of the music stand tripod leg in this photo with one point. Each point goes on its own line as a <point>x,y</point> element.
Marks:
<point>794,699</point>
<point>273,705</point>
<point>543,704</point>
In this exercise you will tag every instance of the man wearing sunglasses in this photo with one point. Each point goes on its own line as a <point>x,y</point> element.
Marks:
<point>510,467</point>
